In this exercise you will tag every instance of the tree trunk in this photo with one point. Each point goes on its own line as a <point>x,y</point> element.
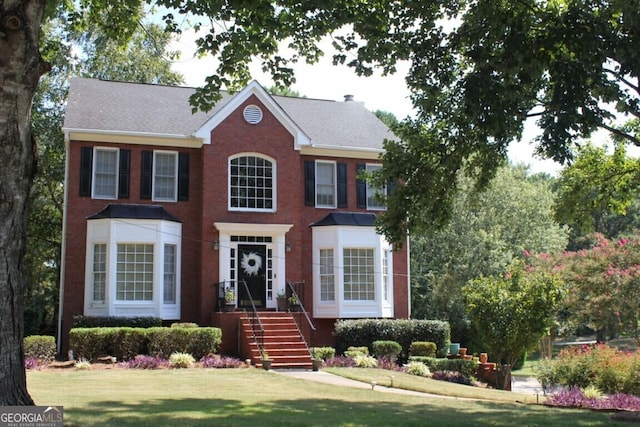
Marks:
<point>20,69</point>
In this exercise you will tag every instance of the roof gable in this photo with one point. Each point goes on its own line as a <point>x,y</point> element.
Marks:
<point>254,88</point>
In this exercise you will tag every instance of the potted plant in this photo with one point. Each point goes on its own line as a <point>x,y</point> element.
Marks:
<point>266,362</point>
<point>229,299</point>
<point>294,303</point>
<point>281,298</point>
<point>316,362</point>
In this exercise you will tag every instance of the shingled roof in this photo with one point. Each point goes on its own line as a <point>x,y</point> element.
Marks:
<point>120,107</point>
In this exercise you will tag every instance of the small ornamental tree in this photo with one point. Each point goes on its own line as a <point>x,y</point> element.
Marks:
<point>603,284</point>
<point>510,313</point>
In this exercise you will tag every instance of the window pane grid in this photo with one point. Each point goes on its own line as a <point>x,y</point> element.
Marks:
<point>169,296</point>
<point>327,277</point>
<point>325,184</point>
<point>251,183</point>
<point>372,201</point>
<point>99,271</point>
<point>164,179</point>
<point>105,173</point>
<point>134,272</point>
<point>385,275</point>
<point>358,274</point>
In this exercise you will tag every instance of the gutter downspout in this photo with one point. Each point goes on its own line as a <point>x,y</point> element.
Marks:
<point>63,246</point>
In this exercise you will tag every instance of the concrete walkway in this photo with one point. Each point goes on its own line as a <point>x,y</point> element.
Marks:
<point>524,385</point>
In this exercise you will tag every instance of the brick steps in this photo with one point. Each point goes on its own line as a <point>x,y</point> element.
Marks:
<point>281,340</point>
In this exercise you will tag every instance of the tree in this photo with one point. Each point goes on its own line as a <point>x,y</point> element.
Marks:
<point>473,86</point>
<point>510,313</point>
<point>143,59</point>
<point>487,232</point>
<point>596,188</point>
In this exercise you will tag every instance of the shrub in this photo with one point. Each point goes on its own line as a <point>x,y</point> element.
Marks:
<point>467,368</point>
<point>323,353</point>
<point>362,361</point>
<point>362,332</point>
<point>357,351</point>
<point>389,349</point>
<point>31,363</point>
<point>417,368</point>
<point>221,362</point>
<point>40,347</point>
<point>184,325</point>
<point>181,360</point>
<point>82,364</point>
<point>199,342</point>
<point>115,322</point>
<point>576,398</point>
<point>423,348</point>
<point>143,361</point>
<point>388,363</point>
<point>452,377</point>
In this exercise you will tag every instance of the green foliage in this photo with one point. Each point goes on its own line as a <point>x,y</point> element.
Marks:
<point>601,367</point>
<point>363,332</point>
<point>417,368</point>
<point>181,360</point>
<point>422,348</point>
<point>365,361</point>
<point>41,347</point>
<point>125,343</point>
<point>353,351</point>
<point>595,187</point>
<point>184,325</point>
<point>198,342</point>
<point>487,232</point>
<point>603,283</point>
<point>510,313</point>
<point>386,348</point>
<point>80,321</point>
<point>467,368</point>
<point>323,353</point>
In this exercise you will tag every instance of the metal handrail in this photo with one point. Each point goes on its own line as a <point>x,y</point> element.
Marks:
<point>254,319</point>
<point>312,328</point>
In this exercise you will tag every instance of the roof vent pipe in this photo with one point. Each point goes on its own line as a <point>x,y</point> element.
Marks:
<point>348,98</point>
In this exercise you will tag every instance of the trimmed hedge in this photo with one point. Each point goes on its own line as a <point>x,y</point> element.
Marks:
<point>41,347</point>
<point>126,343</point>
<point>80,321</point>
<point>468,368</point>
<point>364,332</point>
<point>390,349</point>
<point>423,348</point>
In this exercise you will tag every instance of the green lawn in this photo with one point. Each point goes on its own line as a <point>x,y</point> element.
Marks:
<point>252,397</point>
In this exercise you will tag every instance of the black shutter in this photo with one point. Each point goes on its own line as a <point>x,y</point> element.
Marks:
<point>86,164</point>
<point>124,172</point>
<point>183,176</point>
<point>361,187</point>
<point>342,185</point>
<point>310,183</point>
<point>146,175</point>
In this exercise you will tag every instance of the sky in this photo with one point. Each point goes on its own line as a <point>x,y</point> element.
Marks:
<point>326,81</point>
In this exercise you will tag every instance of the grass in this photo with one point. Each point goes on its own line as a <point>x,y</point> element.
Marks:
<point>427,385</point>
<point>243,397</point>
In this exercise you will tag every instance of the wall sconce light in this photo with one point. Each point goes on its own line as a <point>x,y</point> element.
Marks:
<point>215,245</point>
<point>288,247</point>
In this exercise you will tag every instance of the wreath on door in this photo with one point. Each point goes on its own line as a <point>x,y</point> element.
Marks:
<point>251,263</point>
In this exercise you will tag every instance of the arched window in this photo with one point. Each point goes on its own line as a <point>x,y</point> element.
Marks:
<point>252,183</point>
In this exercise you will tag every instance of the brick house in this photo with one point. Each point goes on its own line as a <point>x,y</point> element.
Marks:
<point>166,208</point>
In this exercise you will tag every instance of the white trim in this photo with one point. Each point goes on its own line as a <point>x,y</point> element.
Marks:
<point>300,138</point>
<point>242,229</point>
<point>127,137</point>
<point>342,152</point>
<point>274,178</point>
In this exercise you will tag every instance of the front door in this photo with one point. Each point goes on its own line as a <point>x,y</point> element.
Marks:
<point>252,268</point>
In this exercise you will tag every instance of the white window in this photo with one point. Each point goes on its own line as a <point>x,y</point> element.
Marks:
<point>165,176</point>
<point>169,284</point>
<point>385,275</point>
<point>134,272</point>
<point>105,173</point>
<point>359,276</point>
<point>99,272</point>
<point>251,184</point>
<point>372,201</point>
<point>326,184</point>
<point>327,276</point>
